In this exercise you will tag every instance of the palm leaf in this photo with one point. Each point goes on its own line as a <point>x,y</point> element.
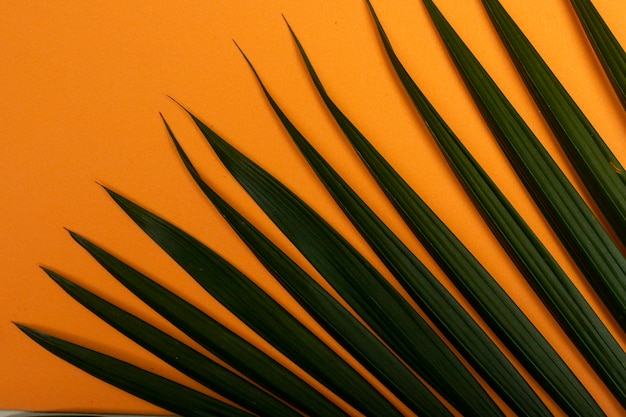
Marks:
<point>187,360</point>
<point>608,49</point>
<point>543,272</point>
<point>580,231</point>
<point>264,315</point>
<point>357,281</point>
<point>504,316</point>
<point>598,168</point>
<point>153,388</point>
<point>336,319</point>
<point>214,337</point>
<point>425,289</point>
<point>408,364</point>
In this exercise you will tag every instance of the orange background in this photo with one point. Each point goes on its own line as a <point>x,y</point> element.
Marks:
<point>82,84</point>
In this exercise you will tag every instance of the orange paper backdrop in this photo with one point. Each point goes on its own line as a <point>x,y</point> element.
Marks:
<point>82,85</point>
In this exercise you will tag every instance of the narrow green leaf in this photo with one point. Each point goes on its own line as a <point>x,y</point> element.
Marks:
<point>494,305</point>
<point>143,384</point>
<point>609,51</point>
<point>559,294</point>
<point>341,324</point>
<point>214,337</point>
<point>588,243</point>
<point>259,311</point>
<point>442,308</point>
<point>187,360</point>
<point>597,167</point>
<point>358,282</point>
<point>580,231</point>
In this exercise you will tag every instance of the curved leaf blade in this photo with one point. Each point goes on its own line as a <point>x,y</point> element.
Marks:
<point>494,305</point>
<point>442,308</point>
<point>259,311</point>
<point>607,48</point>
<point>357,281</point>
<point>543,273</point>
<point>214,337</point>
<point>581,232</point>
<point>146,385</point>
<point>601,172</point>
<point>344,327</point>
<point>185,359</point>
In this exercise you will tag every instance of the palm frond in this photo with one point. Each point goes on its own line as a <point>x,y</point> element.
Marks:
<point>336,319</point>
<point>214,337</point>
<point>151,387</point>
<point>609,51</point>
<point>442,308</point>
<point>578,228</point>
<point>516,331</point>
<point>357,281</point>
<point>439,364</point>
<point>532,258</point>
<point>597,166</point>
<point>264,315</point>
<point>189,361</point>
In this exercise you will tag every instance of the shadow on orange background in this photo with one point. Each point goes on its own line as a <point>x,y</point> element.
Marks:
<point>82,85</point>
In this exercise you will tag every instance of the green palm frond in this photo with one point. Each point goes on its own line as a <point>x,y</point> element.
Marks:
<point>337,320</point>
<point>212,336</point>
<point>426,291</point>
<point>487,360</point>
<point>158,390</point>
<point>609,51</point>
<point>558,292</point>
<point>516,331</point>
<point>597,166</point>
<point>580,231</point>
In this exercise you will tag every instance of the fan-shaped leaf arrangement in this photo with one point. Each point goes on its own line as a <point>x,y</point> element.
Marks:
<point>432,372</point>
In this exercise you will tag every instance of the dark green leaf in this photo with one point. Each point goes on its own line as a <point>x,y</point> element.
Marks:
<point>259,311</point>
<point>545,275</point>
<point>187,360</point>
<point>355,337</point>
<point>396,344</point>
<point>597,167</point>
<point>580,231</point>
<point>358,282</point>
<point>442,308</point>
<point>608,49</point>
<point>143,384</point>
<point>516,331</point>
<point>214,337</point>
